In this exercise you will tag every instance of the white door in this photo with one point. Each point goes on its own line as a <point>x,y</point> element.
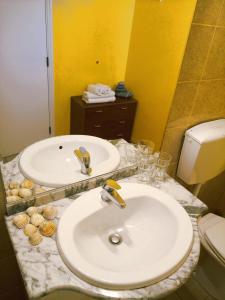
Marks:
<point>24,106</point>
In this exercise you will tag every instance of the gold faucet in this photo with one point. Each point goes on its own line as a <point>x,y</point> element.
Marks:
<point>110,193</point>
<point>84,158</point>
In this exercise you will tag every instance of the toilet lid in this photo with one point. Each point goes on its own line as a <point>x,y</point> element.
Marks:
<point>215,236</point>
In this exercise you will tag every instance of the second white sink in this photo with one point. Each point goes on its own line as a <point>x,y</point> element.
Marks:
<point>155,231</point>
<point>51,162</point>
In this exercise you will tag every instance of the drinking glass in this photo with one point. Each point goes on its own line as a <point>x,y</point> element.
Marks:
<point>143,169</point>
<point>161,166</point>
<point>146,147</point>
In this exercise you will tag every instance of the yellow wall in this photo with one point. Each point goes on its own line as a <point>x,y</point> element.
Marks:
<point>158,39</point>
<point>86,31</point>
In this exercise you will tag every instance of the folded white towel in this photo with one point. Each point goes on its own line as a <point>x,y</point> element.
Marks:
<point>99,100</point>
<point>89,95</point>
<point>99,89</point>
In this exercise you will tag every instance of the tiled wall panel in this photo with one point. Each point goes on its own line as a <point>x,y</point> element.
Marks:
<point>200,92</point>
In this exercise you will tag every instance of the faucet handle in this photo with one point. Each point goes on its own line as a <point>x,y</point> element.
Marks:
<point>78,154</point>
<point>119,199</point>
<point>84,157</point>
<point>84,153</point>
<point>113,184</point>
<point>110,193</point>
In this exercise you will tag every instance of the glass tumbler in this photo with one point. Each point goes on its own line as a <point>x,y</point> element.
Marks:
<point>143,168</point>
<point>161,166</point>
<point>146,147</point>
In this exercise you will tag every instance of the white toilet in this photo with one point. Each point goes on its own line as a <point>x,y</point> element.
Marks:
<point>202,158</point>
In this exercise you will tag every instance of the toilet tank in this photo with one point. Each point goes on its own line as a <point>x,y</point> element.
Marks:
<point>203,152</point>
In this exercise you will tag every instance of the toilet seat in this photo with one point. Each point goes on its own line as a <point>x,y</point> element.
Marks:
<point>212,234</point>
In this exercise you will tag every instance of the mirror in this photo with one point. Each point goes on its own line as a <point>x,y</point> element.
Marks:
<point>29,90</point>
<point>87,42</point>
<point>22,192</point>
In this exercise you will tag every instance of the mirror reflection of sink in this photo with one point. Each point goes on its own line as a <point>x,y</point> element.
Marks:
<point>51,162</point>
<point>125,248</point>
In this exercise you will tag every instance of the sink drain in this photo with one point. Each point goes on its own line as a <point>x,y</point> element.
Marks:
<point>115,239</point>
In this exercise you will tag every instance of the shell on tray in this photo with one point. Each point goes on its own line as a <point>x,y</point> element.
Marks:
<point>33,210</point>
<point>11,199</point>
<point>37,219</point>
<point>35,238</point>
<point>21,220</point>
<point>47,228</point>
<point>14,185</point>
<point>49,212</point>
<point>24,192</point>
<point>27,184</point>
<point>29,229</point>
<point>8,193</point>
<point>14,192</point>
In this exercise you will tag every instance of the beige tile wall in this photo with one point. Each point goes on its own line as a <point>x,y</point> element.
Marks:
<point>200,92</point>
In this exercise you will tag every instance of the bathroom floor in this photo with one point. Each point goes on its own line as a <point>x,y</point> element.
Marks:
<point>10,274</point>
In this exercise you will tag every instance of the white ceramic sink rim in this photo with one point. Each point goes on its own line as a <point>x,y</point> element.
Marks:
<point>109,162</point>
<point>90,203</point>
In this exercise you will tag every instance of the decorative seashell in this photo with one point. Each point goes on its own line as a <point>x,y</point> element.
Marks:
<point>35,238</point>
<point>39,190</point>
<point>11,199</point>
<point>32,210</point>
<point>21,220</point>
<point>47,228</point>
<point>14,192</point>
<point>37,219</point>
<point>27,184</point>
<point>40,209</point>
<point>14,185</point>
<point>29,229</point>
<point>23,192</point>
<point>8,193</point>
<point>49,212</point>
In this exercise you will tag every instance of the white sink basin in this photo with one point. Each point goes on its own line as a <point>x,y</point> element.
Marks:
<point>156,235</point>
<point>51,162</point>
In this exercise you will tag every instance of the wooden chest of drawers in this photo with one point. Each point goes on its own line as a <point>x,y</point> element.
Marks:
<point>106,120</point>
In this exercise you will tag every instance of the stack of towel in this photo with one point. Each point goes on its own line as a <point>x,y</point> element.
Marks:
<point>98,93</point>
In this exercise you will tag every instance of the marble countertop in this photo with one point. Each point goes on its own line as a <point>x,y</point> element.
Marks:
<point>44,271</point>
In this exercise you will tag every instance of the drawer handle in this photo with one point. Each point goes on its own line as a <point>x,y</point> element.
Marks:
<point>124,108</point>
<point>119,135</point>
<point>97,126</point>
<point>122,122</point>
<point>99,111</point>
